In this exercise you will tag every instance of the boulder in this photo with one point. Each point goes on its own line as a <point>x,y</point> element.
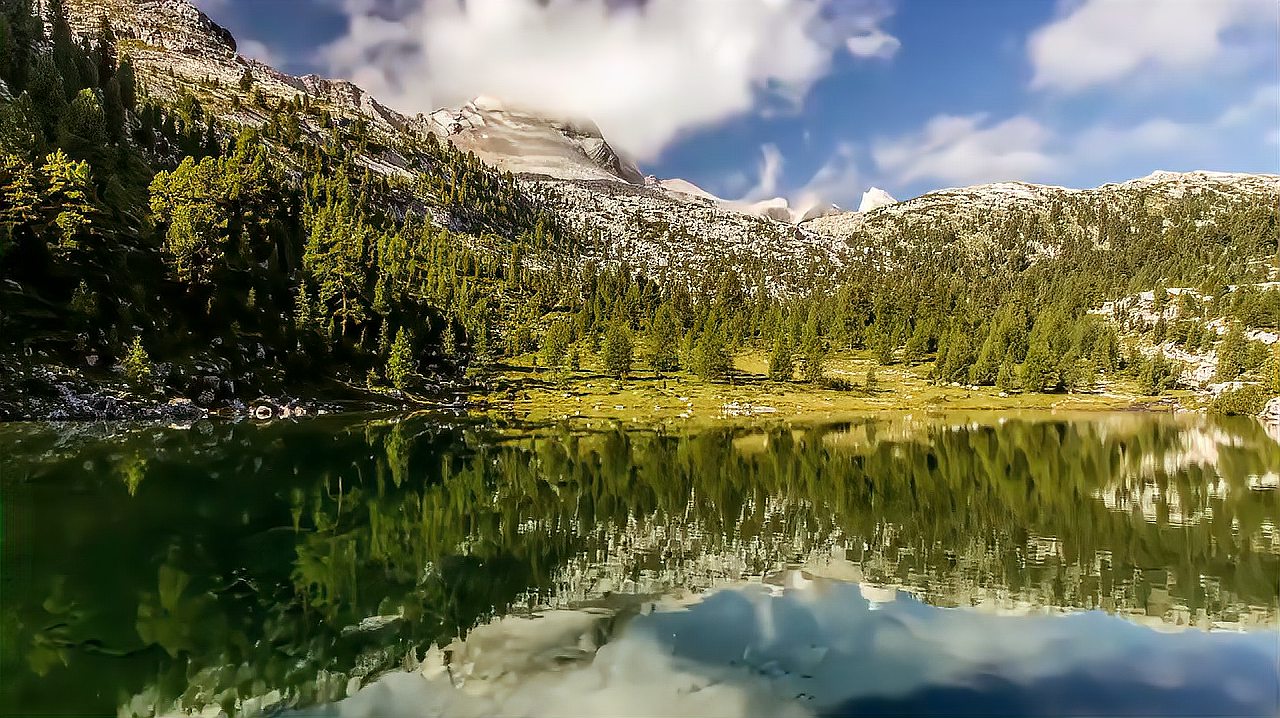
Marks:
<point>1271,412</point>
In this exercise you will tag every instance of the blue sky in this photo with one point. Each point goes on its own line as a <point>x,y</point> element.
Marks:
<point>821,99</point>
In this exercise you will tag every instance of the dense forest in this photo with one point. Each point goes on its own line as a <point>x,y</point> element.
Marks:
<point>214,260</point>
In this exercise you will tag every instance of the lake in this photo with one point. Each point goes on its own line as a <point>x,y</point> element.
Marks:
<point>985,564</point>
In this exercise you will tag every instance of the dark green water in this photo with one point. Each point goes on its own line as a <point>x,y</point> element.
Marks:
<point>155,569</point>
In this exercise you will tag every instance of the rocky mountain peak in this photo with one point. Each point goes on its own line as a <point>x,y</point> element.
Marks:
<point>875,198</point>
<point>174,25</point>
<point>525,142</point>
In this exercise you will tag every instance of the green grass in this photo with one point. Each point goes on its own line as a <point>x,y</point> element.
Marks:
<point>540,395</point>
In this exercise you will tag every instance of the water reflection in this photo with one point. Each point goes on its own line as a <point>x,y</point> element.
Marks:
<point>242,566</point>
<point>822,647</point>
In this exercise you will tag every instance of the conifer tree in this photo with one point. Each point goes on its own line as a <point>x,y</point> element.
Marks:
<point>781,364</point>
<point>137,363</point>
<point>616,353</point>
<point>1155,375</point>
<point>663,341</point>
<point>1272,370</point>
<point>1036,370</point>
<point>400,364</point>
<point>711,361</point>
<point>813,349</point>
<point>1232,353</point>
<point>555,345</point>
<point>1006,376</point>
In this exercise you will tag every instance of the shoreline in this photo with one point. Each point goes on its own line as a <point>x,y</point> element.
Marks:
<point>537,394</point>
<point>56,393</point>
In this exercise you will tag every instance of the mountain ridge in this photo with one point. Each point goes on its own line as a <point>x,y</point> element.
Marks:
<point>541,150</point>
<point>269,222</point>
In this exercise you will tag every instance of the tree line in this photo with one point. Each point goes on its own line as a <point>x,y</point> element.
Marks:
<point>133,227</point>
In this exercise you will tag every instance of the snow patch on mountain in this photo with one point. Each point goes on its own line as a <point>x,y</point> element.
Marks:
<point>874,199</point>
<point>684,187</point>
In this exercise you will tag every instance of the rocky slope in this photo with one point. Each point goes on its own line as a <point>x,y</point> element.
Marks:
<point>970,209</point>
<point>526,144</point>
<point>665,227</point>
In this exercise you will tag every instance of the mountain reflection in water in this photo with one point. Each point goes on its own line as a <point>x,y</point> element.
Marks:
<point>242,567</point>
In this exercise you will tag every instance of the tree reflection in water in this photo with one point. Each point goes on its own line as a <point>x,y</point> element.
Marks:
<point>225,562</point>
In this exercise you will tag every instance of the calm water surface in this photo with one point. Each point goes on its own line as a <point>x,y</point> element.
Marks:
<point>356,566</point>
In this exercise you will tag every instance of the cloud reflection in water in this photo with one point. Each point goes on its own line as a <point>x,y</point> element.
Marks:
<point>823,647</point>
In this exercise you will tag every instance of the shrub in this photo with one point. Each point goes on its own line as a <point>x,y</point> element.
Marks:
<point>836,384</point>
<point>137,363</point>
<point>1248,400</point>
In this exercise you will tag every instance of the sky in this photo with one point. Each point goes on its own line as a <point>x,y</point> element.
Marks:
<point>818,100</point>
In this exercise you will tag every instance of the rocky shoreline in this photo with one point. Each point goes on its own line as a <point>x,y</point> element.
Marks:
<point>55,392</point>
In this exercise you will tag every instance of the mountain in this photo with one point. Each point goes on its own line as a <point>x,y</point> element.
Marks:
<point>527,144</point>
<point>214,229</point>
<point>875,198</point>
<point>969,212</point>
<point>665,227</point>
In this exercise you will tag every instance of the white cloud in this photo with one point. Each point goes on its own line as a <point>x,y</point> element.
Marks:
<point>769,175</point>
<point>837,181</point>
<point>966,149</point>
<point>1097,42</point>
<point>1262,106</point>
<point>258,51</point>
<point>1159,134</point>
<point>645,71</point>
<point>874,43</point>
<point>975,149</point>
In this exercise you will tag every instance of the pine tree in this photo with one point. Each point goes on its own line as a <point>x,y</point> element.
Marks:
<point>917,346</point>
<point>813,350</point>
<point>1036,370</point>
<point>303,315</point>
<point>1159,300</point>
<point>1272,370</point>
<point>82,129</point>
<point>449,341</point>
<point>616,354</point>
<point>400,364</point>
<point>1232,353</point>
<point>137,363</point>
<point>710,360</point>
<point>1155,375</point>
<point>1106,351</point>
<point>957,361</point>
<point>781,364</point>
<point>555,345</point>
<point>127,82</point>
<point>1006,377</point>
<point>986,367</point>
<point>663,341</point>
